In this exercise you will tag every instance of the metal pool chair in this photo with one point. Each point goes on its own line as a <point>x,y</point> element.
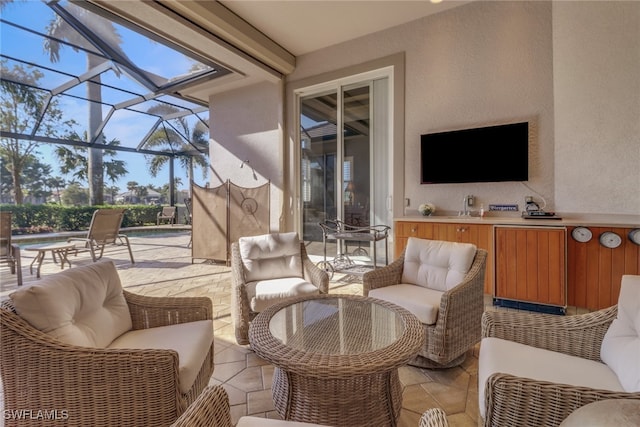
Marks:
<point>168,213</point>
<point>9,253</point>
<point>104,230</point>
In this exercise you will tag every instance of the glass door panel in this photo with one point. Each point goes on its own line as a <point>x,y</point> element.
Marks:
<point>356,164</point>
<point>318,163</point>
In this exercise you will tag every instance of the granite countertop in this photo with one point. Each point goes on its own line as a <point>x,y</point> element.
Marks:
<point>568,219</point>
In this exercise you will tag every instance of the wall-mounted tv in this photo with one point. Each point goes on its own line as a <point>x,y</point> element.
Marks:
<point>485,154</point>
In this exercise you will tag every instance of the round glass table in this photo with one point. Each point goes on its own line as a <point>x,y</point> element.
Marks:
<point>336,358</point>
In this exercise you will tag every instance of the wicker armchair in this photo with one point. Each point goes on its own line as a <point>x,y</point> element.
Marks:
<point>98,386</point>
<point>457,327</point>
<point>518,401</point>
<point>242,311</point>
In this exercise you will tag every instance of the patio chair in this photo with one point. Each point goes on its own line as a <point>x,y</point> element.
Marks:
<point>9,252</point>
<point>268,269</point>
<point>79,347</point>
<point>104,230</point>
<point>168,213</point>
<point>537,369</point>
<point>442,283</point>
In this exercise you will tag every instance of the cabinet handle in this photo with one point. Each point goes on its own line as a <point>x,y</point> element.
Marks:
<point>461,229</point>
<point>413,230</point>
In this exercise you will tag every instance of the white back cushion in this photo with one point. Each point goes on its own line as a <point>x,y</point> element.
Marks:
<point>82,306</point>
<point>621,344</point>
<point>436,264</point>
<point>271,256</point>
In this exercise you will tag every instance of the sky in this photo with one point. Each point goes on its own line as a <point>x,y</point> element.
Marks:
<point>127,126</point>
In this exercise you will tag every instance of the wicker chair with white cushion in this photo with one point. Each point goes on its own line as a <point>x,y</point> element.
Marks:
<point>536,369</point>
<point>268,269</point>
<point>76,342</point>
<point>442,283</point>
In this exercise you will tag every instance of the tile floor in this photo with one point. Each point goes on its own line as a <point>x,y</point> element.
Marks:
<point>164,267</point>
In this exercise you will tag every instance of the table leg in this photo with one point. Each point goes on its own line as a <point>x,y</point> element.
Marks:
<point>63,254</point>
<point>39,258</point>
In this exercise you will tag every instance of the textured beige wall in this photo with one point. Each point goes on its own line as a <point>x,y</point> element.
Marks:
<point>597,106</point>
<point>246,124</point>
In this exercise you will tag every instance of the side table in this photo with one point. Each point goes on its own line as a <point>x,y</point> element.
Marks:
<point>59,249</point>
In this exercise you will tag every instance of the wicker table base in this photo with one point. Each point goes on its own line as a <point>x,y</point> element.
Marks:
<point>337,358</point>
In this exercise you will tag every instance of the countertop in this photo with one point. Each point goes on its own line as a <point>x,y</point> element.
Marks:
<point>569,219</point>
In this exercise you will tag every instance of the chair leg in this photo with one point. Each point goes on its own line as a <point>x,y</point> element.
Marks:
<point>16,265</point>
<point>126,239</point>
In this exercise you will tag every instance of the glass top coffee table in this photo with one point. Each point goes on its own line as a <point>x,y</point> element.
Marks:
<point>336,358</point>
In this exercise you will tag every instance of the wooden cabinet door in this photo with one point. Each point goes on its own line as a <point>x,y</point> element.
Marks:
<point>594,272</point>
<point>530,264</point>
<point>404,230</point>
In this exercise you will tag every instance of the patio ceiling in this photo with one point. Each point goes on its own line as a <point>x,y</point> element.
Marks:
<point>147,64</point>
<point>86,60</point>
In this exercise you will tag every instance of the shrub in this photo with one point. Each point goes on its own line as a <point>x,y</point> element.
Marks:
<point>27,219</point>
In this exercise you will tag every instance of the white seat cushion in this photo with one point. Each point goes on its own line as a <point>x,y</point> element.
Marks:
<point>264,293</point>
<point>191,341</point>
<point>270,256</point>
<point>267,422</point>
<point>424,303</point>
<point>436,264</point>
<point>621,344</point>
<point>83,306</point>
<point>498,355</point>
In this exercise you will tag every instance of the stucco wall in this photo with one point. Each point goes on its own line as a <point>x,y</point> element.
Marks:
<point>246,124</point>
<point>596,47</point>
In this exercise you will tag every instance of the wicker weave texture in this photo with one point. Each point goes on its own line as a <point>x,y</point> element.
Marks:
<point>210,409</point>
<point>99,387</point>
<point>241,312</point>
<point>338,389</point>
<point>458,326</point>
<point>434,417</point>
<point>517,401</point>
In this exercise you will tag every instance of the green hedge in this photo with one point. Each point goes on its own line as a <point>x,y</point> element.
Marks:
<point>27,219</point>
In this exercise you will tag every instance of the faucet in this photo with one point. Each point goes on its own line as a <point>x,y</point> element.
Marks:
<point>465,206</point>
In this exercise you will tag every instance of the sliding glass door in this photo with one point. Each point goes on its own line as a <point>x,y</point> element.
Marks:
<point>337,145</point>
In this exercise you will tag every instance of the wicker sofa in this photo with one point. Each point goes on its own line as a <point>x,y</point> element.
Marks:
<point>442,283</point>
<point>536,369</point>
<point>75,344</point>
<point>211,409</point>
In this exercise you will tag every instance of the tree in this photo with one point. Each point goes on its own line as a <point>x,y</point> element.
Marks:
<point>20,106</point>
<point>112,191</point>
<point>181,140</point>
<point>34,176</point>
<point>59,29</point>
<point>75,195</point>
<point>75,160</point>
<point>56,183</point>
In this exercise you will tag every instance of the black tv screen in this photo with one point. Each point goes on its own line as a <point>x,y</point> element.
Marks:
<point>486,154</point>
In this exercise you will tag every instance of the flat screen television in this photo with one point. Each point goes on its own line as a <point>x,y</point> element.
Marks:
<point>485,154</point>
